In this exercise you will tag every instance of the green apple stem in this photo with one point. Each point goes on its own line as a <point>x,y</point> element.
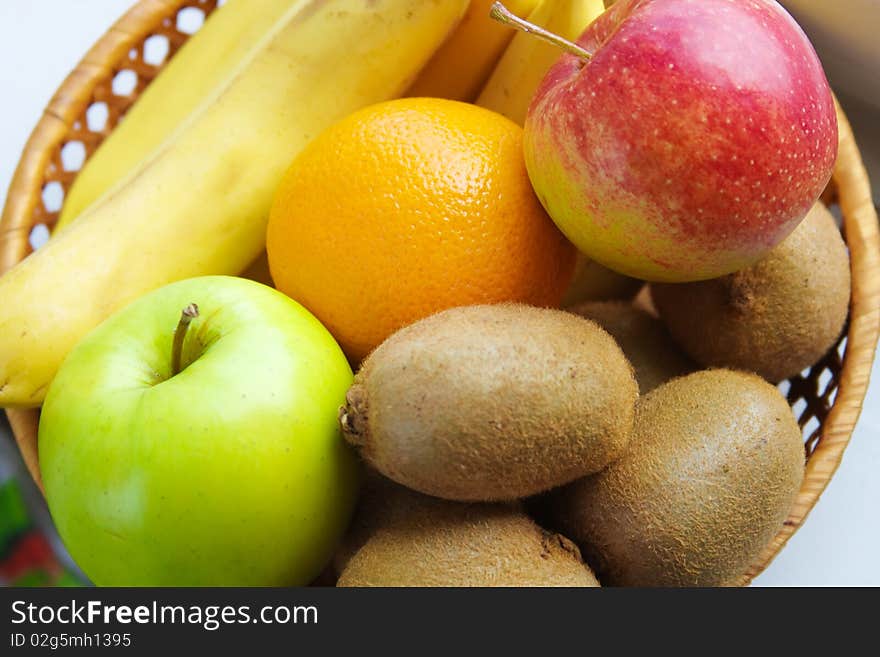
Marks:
<point>506,17</point>
<point>186,317</point>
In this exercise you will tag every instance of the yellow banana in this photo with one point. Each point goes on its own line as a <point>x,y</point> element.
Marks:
<point>198,204</point>
<point>527,59</point>
<point>462,65</point>
<point>203,62</point>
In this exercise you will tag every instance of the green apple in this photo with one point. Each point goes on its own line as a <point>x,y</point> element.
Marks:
<point>225,468</point>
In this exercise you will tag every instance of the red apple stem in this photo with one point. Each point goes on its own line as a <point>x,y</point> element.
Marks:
<point>504,16</point>
<point>186,317</point>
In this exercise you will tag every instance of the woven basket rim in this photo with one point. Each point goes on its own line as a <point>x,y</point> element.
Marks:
<point>850,179</point>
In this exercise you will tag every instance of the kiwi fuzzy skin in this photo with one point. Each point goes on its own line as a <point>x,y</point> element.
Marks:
<point>424,541</point>
<point>492,403</point>
<point>654,355</point>
<point>382,504</point>
<point>593,282</point>
<point>774,318</point>
<point>714,466</point>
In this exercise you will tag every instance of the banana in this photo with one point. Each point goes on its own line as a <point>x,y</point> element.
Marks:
<point>203,62</point>
<point>527,59</point>
<point>198,203</point>
<point>462,65</point>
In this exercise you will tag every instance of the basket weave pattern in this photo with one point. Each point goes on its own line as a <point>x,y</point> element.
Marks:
<point>826,399</point>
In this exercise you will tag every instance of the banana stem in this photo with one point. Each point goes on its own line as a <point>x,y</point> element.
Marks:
<point>186,317</point>
<point>504,16</point>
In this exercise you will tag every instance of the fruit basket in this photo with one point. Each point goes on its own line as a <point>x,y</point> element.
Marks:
<point>826,399</point>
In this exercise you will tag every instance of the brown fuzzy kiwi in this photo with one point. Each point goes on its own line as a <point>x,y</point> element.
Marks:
<point>382,504</point>
<point>489,403</point>
<point>457,544</point>
<point>643,338</point>
<point>593,282</point>
<point>714,465</point>
<point>776,317</point>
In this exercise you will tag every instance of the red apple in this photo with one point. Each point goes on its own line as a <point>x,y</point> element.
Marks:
<point>695,139</point>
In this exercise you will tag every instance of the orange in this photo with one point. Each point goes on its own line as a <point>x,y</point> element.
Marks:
<point>407,208</point>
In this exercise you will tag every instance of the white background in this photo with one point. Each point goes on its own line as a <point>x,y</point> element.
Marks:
<point>41,40</point>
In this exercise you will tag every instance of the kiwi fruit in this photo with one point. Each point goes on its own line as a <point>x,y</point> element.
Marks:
<point>442,543</point>
<point>491,403</point>
<point>643,338</point>
<point>382,504</point>
<point>774,318</point>
<point>713,468</point>
<point>593,282</point>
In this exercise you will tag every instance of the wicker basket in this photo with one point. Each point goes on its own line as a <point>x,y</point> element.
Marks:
<point>826,400</point>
